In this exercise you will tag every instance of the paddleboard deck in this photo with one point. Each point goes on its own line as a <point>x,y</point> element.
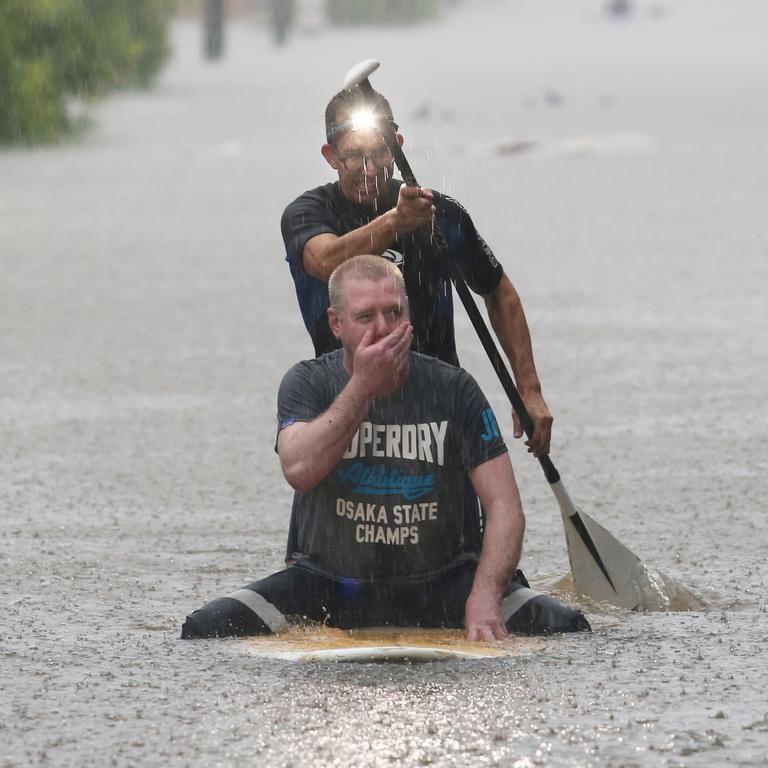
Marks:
<point>382,644</point>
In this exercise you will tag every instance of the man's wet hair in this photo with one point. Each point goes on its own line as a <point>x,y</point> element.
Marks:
<point>348,101</point>
<point>364,267</point>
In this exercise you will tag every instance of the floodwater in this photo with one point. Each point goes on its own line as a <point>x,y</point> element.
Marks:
<point>616,165</point>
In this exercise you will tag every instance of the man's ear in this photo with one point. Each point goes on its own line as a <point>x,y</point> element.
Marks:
<point>329,153</point>
<point>400,138</point>
<point>334,322</point>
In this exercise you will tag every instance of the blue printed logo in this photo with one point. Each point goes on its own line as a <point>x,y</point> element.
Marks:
<point>491,427</point>
<point>374,480</point>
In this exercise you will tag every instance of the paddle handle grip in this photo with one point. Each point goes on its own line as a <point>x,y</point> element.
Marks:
<point>390,138</point>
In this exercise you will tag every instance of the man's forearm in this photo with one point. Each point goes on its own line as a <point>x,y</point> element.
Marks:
<point>308,452</point>
<point>323,253</point>
<point>508,320</point>
<point>502,546</point>
<point>494,482</point>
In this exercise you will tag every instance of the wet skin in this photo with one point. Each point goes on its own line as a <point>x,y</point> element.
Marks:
<point>372,180</point>
<point>362,186</point>
<point>374,328</point>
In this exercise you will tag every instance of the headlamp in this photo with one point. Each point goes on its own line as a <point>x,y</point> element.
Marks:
<point>360,120</point>
<point>363,119</point>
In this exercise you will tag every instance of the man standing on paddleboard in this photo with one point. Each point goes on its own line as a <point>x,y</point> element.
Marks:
<point>368,211</point>
<point>378,442</point>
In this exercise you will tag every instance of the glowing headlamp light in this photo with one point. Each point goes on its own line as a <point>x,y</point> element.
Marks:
<point>360,120</point>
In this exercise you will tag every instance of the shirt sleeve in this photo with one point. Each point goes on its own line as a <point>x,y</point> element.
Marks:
<point>476,261</point>
<point>481,438</point>
<point>306,217</point>
<point>299,398</point>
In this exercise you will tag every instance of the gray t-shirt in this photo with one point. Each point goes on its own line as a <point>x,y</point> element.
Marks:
<point>393,507</point>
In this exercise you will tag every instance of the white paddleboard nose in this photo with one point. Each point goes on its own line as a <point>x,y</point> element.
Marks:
<point>360,72</point>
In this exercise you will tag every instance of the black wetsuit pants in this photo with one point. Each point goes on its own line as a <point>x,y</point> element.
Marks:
<point>298,594</point>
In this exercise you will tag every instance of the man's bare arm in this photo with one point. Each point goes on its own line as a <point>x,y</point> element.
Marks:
<point>494,482</point>
<point>309,450</point>
<point>323,253</point>
<point>505,311</point>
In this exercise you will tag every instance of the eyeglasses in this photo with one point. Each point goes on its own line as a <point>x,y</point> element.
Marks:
<point>380,159</point>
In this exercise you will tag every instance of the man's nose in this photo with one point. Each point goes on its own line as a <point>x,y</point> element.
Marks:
<point>381,325</point>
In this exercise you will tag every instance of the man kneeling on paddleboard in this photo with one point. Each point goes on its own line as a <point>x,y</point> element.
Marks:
<point>377,441</point>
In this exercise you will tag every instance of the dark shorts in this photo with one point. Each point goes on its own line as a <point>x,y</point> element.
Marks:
<point>297,595</point>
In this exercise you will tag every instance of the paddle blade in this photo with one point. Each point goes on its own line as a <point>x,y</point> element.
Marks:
<point>623,579</point>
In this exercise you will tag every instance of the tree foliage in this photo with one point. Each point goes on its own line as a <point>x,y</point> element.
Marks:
<point>52,50</point>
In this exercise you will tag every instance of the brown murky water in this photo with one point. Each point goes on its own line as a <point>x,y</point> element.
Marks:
<point>146,318</point>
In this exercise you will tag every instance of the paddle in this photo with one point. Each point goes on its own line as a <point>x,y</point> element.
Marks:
<point>602,568</point>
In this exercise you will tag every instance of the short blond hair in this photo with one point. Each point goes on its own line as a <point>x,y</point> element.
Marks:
<point>365,267</point>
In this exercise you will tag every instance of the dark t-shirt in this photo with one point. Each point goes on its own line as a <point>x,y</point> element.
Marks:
<point>427,279</point>
<point>394,506</point>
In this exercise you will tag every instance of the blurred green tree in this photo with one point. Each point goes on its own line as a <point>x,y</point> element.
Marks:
<point>52,50</point>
